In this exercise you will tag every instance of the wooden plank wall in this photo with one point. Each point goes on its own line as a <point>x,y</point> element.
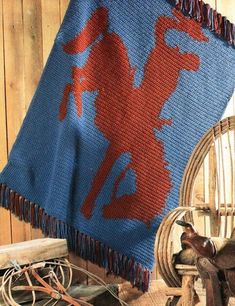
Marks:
<point>27,31</point>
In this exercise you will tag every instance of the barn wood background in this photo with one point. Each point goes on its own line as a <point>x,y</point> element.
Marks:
<point>27,31</point>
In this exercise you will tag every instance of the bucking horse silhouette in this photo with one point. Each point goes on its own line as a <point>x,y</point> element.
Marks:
<point>127,115</point>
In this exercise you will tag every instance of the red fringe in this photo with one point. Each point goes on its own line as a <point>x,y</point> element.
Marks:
<point>209,18</point>
<point>83,245</point>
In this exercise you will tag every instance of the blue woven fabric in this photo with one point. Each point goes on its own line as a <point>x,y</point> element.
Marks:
<point>62,146</point>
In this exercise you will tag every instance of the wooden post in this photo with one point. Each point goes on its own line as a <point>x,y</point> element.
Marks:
<point>212,190</point>
<point>32,251</point>
<point>187,290</point>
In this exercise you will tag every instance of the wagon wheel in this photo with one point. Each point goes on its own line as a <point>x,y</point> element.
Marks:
<point>217,145</point>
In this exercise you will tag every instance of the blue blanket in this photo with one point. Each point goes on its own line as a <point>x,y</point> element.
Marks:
<point>128,90</point>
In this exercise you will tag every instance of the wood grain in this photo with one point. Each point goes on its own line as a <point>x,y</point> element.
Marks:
<point>50,25</point>
<point>33,63</point>
<point>33,41</point>
<point>14,67</point>
<point>63,8</point>
<point>3,122</point>
<point>5,218</point>
<point>32,251</point>
<point>14,89</point>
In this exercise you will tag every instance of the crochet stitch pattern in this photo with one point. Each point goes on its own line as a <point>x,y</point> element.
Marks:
<point>120,101</point>
<point>129,89</point>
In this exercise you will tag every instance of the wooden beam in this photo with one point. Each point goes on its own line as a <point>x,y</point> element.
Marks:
<point>32,251</point>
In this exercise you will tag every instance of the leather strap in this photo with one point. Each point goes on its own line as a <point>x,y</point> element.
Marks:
<point>209,274</point>
<point>58,294</point>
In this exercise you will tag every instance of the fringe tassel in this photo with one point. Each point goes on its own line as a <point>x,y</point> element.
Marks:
<point>83,245</point>
<point>209,18</point>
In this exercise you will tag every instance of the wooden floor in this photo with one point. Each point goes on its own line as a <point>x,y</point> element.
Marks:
<point>155,297</point>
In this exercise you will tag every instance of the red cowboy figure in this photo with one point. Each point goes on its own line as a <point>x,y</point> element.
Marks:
<point>126,115</point>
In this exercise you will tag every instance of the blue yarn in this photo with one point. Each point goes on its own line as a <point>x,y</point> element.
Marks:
<point>52,163</point>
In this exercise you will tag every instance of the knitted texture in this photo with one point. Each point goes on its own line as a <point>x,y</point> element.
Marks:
<point>128,90</point>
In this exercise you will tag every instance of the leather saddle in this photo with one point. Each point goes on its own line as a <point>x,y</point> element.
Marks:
<point>215,261</point>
